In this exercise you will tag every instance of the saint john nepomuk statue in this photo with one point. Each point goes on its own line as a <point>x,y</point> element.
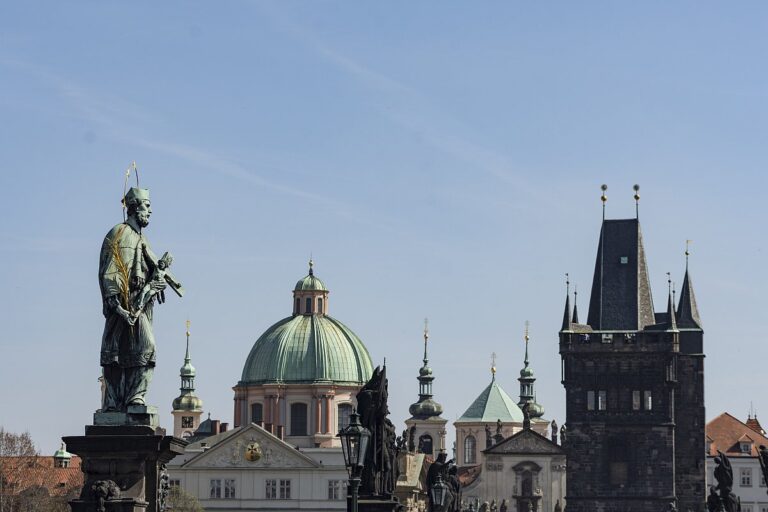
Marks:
<point>131,279</point>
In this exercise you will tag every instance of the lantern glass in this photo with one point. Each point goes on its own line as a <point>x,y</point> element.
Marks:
<point>354,443</point>
<point>438,492</point>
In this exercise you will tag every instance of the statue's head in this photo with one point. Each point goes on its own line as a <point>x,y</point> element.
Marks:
<point>137,203</point>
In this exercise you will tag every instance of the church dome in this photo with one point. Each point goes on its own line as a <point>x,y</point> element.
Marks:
<point>308,347</point>
<point>187,403</point>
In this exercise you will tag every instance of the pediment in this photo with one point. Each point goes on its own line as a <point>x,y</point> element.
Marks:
<point>238,450</point>
<point>525,441</point>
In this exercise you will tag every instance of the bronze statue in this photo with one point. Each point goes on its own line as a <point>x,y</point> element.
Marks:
<point>380,469</point>
<point>488,437</point>
<point>724,476</point>
<point>131,279</point>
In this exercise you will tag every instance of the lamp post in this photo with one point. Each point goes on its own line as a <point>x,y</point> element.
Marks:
<point>354,444</point>
<point>438,493</point>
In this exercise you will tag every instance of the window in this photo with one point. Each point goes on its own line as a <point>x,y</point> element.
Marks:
<point>271,490</point>
<point>345,411</point>
<point>745,447</point>
<point>635,400</point>
<point>215,488</point>
<point>174,482</point>
<point>746,508</point>
<point>590,400</point>
<point>319,305</point>
<point>470,447</point>
<point>308,306</point>
<point>257,413</point>
<point>763,508</point>
<point>285,489</point>
<point>335,489</point>
<point>746,477</point>
<point>298,419</point>
<point>425,444</point>
<point>298,305</point>
<point>648,400</point>
<point>601,401</point>
<point>618,451</point>
<point>229,489</point>
<point>187,422</point>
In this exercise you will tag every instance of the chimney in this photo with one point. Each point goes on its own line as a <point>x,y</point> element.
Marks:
<point>224,427</point>
<point>215,427</point>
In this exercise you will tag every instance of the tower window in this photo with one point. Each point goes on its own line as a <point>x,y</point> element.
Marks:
<point>648,400</point>
<point>298,419</point>
<point>635,400</point>
<point>308,306</point>
<point>298,305</point>
<point>257,413</point>
<point>187,422</point>
<point>425,444</point>
<point>602,401</point>
<point>590,400</point>
<point>345,411</point>
<point>319,305</point>
<point>470,449</point>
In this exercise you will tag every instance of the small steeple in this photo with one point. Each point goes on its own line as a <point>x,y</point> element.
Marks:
<point>671,320</point>
<point>311,266</point>
<point>687,311</point>
<point>187,399</point>
<point>567,312</point>
<point>575,318</point>
<point>527,380</point>
<point>426,407</point>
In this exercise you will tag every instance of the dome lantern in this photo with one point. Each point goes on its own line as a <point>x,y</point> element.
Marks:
<point>310,296</point>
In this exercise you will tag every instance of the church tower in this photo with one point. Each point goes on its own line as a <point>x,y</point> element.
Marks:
<point>425,421</point>
<point>187,408</point>
<point>634,382</point>
<point>527,390</point>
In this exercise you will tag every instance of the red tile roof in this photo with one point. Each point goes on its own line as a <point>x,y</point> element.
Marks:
<point>726,433</point>
<point>21,473</point>
<point>755,425</point>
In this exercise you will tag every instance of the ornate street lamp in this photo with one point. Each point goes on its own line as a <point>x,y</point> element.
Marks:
<point>354,444</point>
<point>438,492</point>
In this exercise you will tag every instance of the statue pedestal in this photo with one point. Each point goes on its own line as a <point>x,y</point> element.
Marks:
<point>377,504</point>
<point>123,466</point>
<point>136,415</point>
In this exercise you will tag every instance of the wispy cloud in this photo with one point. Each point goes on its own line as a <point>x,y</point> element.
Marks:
<point>124,121</point>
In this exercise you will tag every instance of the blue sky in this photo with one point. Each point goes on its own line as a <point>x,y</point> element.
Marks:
<point>438,159</point>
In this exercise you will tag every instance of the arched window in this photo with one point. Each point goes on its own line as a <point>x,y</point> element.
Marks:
<point>257,413</point>
<point>345,410</point>
<point>308,308</point>
<point>298,419</point>
<point>425,444</point>
<point>470,449</point>
<point>527,483</point>
<point>319,305</point>
<point>298,306</point>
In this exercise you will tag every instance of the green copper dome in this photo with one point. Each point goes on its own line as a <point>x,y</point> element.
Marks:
<point>188,402</point>
<point>306,349</point>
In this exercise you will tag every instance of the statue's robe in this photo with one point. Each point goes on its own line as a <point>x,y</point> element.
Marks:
<point>127,352</point>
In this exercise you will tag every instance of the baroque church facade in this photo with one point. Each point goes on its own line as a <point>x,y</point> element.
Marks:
<point>296,391</point>
<point>634,382</point>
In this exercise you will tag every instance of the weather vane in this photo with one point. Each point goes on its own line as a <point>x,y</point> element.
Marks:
<point>636,188</point>
<point>604,197</point>
<point>493,363</point>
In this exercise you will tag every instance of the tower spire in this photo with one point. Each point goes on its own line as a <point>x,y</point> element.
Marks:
<point>636,188</point>
<point>567,312</point>
<point>425,407</point>
<point>426,338</point>
<point>687,310</point>
<point>575,316</point>
<point>527,380</point>
<point>671,320</point>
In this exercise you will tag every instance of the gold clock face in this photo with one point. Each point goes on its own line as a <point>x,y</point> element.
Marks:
<point>253,452</point>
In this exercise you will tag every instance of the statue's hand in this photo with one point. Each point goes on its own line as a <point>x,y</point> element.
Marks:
<point>127,316</point>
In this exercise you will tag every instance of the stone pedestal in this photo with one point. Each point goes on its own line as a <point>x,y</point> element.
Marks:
<point>123,467</point>
<point>377,504</point>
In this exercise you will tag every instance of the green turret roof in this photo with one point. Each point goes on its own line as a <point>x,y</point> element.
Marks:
<point>62,453</point>
<point>310,282</point>
<point>493,404</point>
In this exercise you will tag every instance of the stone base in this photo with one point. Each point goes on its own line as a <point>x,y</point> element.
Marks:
<point>123,466</point>
<point>135,415</point>
<point>376,504</point>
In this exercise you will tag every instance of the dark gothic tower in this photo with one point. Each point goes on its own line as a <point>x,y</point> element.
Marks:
<point>634,381</point>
